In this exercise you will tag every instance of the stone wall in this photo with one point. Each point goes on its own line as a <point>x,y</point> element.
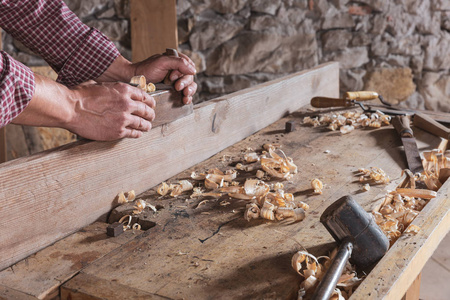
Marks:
<point>396,47</point>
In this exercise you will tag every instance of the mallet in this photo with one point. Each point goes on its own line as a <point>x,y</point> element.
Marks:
<point>360,239</point>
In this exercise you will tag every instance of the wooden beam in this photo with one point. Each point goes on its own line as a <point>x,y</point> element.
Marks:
<point>51,194</point>
<point>413,292</point>
<point>153,27</point>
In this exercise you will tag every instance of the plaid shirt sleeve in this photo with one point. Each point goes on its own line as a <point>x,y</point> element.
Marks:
<point>16,88</point>
<point>47,27</point>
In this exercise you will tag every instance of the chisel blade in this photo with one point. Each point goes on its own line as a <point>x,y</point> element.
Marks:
<point>412,155</point>
<point>402,125</point>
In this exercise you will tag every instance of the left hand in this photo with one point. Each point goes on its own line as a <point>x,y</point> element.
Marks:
<point>182,68</point>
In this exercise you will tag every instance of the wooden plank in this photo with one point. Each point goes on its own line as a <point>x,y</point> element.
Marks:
<point>82,287</point>
<point>54,193</point>
<point>153,27</point>
<point>7,293</point>
<point>210,252</point>
<point>41,275</point>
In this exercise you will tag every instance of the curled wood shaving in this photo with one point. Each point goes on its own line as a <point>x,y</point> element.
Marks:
<point>373,174</point>
<point>141,82</point>
<point>126,197</point>
<point>348,121</point>
<point>266,201</point>
<point>312,270</point>
<point>418,193</point>
<point>251,157</point>
<point>252,211</point>
<point>317,186</point>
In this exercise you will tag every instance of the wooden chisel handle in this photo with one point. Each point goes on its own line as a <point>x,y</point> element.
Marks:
<point>429,124</point>
<point>170,52</point>
<point>361,96</point>
<point>402,125</point>
<point>322,102</point>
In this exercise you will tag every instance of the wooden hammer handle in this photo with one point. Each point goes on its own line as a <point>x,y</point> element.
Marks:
<point>322,102</point>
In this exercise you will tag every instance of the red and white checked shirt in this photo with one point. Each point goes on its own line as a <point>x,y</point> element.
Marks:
<point>75,51</point>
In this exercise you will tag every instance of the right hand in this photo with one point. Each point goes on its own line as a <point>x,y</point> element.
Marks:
<point>111,111</point>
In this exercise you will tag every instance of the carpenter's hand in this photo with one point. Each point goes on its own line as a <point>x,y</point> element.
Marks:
<point>183,70</point>
<point>111,111</point>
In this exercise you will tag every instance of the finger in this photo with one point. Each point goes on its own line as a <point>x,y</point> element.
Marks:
<point>191,62</point>
<point>139,95</point>
<point>139,123</point>
<point>142,110</point>
<point>183,82</point>
<point>181,64</point>
<point>132,133</point>
<point>175,75</point>
<point>187,100</point>
<point>190,90</point>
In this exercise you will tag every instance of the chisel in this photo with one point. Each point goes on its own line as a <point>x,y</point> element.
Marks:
<point>402,125</point>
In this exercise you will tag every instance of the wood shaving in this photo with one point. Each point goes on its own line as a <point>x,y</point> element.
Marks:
<point>373,174</point>
<point>313,269</point>
<point>317,186</point>
<point>400,207</point>
<point>266,201</point>
<point>348,121</point>
<point>126,197</point>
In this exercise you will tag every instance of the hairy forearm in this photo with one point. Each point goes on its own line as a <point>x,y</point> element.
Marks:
<point>120,70</point>
<point>50,106</point>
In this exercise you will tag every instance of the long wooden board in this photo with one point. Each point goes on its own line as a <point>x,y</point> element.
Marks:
<point>153,27</point>
<point>54,193</point>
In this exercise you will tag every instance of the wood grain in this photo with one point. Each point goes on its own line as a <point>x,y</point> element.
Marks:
<point>153,27</point>
<point>41,274</point>
<point>54,193</point>
<point>209,251</point>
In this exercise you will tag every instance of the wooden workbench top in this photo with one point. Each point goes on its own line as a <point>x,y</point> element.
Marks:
<point>206,250</point>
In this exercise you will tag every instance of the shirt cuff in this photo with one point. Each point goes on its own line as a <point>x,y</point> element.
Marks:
<point>94,55</point>
<point>17,86</point>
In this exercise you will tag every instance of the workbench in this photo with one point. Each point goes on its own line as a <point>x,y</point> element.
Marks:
<point>53,244</point>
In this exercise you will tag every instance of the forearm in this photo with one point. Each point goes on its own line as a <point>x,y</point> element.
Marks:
<point>50,106</point>
<point>120,70</point>
<point>75,51</point>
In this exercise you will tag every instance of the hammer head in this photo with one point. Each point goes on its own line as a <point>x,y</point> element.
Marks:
<point>346,219</point>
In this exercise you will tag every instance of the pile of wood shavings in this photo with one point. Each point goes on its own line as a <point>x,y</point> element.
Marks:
<point>400,207</point>
<point>268,201</point>
<point>346,122</point>
<point>313,269</point>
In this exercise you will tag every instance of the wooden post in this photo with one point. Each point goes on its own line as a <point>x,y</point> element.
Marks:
<point>153,27</point>
<point>413,292</point>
